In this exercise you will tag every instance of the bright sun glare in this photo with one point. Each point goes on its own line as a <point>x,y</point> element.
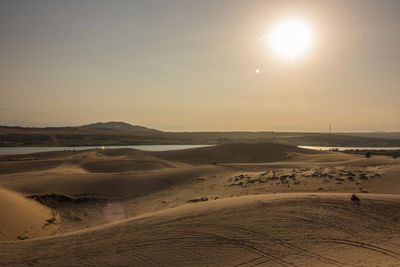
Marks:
<point>291,38</point>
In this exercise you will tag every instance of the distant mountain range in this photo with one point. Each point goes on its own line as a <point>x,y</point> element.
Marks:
<point>116,125</point>
<point>122,133</point>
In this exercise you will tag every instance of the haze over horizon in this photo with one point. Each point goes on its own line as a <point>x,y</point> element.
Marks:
<point>191,65</point>
<point>211,130</point>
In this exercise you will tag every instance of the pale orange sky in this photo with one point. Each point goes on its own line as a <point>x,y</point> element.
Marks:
<point>190,65</point>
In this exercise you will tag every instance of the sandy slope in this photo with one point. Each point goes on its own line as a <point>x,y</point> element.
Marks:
<point>23,218</point>
<point>288,229</point>
<point>208,206</point>
<point>234,153</point>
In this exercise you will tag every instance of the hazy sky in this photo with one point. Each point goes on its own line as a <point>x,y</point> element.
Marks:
<point>190,65</point>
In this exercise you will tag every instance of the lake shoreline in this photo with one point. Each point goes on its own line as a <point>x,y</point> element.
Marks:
<point>17,150</point>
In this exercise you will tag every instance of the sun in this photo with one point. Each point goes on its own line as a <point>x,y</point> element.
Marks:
<point>291,38</point>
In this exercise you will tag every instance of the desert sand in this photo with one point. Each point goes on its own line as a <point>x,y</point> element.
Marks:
<point>226,205</point>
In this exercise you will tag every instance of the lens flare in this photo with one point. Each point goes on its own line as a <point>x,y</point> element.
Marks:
<point>114,212</point>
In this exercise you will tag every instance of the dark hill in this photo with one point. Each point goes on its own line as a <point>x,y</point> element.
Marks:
<point>116,125</point>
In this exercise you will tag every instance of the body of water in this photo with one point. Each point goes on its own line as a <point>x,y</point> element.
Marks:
<point>28,150</point>
<point>342,148</point>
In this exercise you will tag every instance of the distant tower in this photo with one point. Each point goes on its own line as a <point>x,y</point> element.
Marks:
<point>330,129</point>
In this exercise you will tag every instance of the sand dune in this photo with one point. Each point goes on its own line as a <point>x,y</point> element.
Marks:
<point>291,229</point>
<point>21,218</point>
<point>99,161</point>
<point>234,153</point>
<point>113,166</point>
<point>228,205</point>
<point>131,160</point>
